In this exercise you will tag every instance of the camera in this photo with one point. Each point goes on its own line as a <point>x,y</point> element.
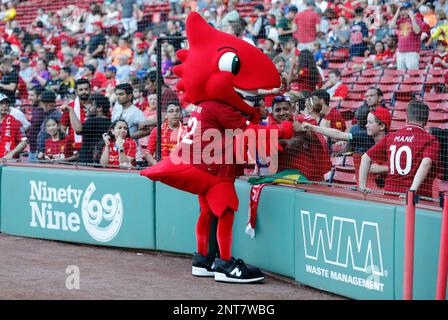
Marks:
<point>111,136</point>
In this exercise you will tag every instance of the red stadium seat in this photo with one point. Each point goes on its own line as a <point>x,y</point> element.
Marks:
<point>344,178</point>
<point>359,87</point>
<point>417,73</point>
<point>394,72</point>
<point>435,97</point>
<point>388,87</point>
<point>355,96</point>
<point>399,115</point>
<point>401,105</point>
<point>391,79</point>
<point>413,80</point>
<point>368,80</point>
<point>372,73</point>
<point>435,116</point>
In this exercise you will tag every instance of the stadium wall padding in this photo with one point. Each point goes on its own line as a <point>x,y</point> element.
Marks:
<point>101,208</point>
<point>349,247</point>
<point>345,247</point>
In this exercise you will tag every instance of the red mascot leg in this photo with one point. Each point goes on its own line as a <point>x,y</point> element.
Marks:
<point>203,227</point>
<point>224,234</point>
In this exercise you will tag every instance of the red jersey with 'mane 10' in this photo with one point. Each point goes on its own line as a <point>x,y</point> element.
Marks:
<point>404,151</point>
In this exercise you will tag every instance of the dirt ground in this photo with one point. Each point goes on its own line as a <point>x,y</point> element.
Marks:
<point>42,269</point>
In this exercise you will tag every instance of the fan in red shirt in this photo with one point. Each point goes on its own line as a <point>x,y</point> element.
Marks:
<point>59,146</point>
<point>308,77</point>
<point>332,115</point>
<point>172,133</point>
<point>119,149</point>
<point>307,152</point>
<point>412,154</point>
<point>82,89</point>
<point>335,87</point>
<point>12,138</point>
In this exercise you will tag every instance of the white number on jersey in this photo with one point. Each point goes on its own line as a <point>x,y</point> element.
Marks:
<point>395,159</point>
<point>191,128</point>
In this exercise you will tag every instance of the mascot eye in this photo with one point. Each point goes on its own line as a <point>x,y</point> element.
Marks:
<point>230,62</point>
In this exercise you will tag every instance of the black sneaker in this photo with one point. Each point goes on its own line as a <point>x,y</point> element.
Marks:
<point>236,271</point>
<point>202,266</point>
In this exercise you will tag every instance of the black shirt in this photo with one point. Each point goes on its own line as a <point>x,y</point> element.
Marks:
<point>8,78</point>
<point>95,42</point>
<point>92,133</point>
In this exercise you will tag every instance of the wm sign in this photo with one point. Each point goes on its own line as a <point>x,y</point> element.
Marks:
<point>342,242</point>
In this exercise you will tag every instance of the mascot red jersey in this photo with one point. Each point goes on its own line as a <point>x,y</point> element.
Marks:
<point>218,72</point>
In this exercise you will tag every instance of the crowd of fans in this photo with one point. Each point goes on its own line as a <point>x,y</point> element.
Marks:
<point>80,84</point>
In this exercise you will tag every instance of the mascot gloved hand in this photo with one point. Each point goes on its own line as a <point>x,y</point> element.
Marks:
<point>218,72</point>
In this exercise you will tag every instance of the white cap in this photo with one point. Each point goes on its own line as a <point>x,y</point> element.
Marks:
<point>3,97</point>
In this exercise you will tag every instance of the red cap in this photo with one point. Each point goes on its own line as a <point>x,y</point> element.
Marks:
<point>55,67</point>
<point>139,35</point>
<point>384,115</point>
<point>33,63</point>
<point>98,23</point>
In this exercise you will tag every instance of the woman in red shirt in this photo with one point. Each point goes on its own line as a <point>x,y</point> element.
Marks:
<point>119,149</point>
<point>307,77</point>
<point>58,147</point>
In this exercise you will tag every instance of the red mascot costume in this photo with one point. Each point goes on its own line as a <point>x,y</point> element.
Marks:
<point>218,73</point>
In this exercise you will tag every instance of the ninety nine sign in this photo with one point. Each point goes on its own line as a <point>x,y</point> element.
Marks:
<point>57,208</point>
<point>354,247</point>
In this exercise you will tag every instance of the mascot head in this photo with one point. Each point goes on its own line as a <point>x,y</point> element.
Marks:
<point>219,66</point>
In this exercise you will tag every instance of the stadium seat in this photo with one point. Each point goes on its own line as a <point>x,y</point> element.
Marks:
<point>387,87</point>
<point>355,96</point>
<point>356,87</point>
<point>340,177</point>
<point>413,80</point>
<point>372,72</point>
<point>388,96</point>
<point>391,79</point>
<point>400,106</point>
<point>437,72</point>
<point>399,115</point>
<point>435,97</point>
<point>368,80</point>
<point>417,73</point>
<point>435,116</point>
<point>394,72</point>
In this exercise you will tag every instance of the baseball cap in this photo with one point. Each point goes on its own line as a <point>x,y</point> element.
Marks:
<point>406,5</point>
<point>139,35</point>
<point>384,115</point>
<point>111,68</point>
<point>48,96</point>
<point>259,6</point>
<point>98,23</point>
<point>4,97</point>
<point>55,67</point>
<point>293,8</point>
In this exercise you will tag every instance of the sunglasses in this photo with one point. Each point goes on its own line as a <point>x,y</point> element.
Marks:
<point>281,99</point>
